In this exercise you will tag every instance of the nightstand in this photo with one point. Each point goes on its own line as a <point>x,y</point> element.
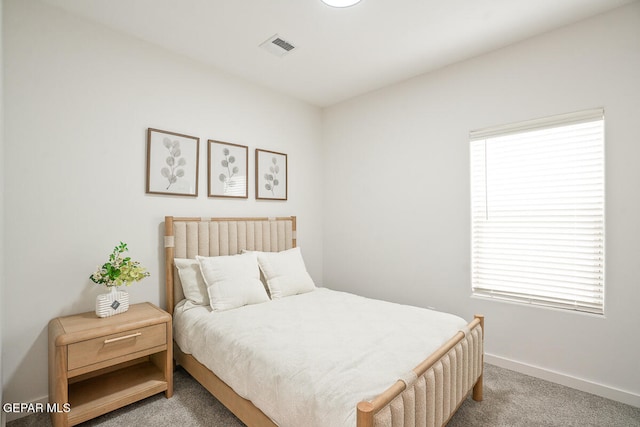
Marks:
<point>97,364</point>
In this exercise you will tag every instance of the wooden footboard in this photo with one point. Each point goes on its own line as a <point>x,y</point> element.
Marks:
<point>431,393</point>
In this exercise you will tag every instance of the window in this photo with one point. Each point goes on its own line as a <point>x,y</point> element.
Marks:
<point>537,212</point>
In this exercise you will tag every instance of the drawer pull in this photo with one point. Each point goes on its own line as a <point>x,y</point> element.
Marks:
<point>137,334</point>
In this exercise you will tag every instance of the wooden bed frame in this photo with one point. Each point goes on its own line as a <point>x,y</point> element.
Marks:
<point>427,396</point>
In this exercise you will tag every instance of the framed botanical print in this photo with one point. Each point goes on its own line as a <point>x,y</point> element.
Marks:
<point>227,169</point>
<point>271,175</point>
<point>172,163</point>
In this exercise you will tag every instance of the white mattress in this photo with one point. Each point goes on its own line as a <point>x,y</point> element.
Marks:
<point>307,360</point>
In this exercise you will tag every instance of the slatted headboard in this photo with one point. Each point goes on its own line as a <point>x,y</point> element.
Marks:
<point>188,237</point>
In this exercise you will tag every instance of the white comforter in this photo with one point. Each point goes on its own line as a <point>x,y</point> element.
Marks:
<point>307,360</point>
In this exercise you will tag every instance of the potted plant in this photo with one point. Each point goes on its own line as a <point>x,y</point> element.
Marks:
<point>117,271</point>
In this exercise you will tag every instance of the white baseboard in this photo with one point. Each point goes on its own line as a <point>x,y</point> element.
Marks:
<point>10,416</point>
<point>565,380</point>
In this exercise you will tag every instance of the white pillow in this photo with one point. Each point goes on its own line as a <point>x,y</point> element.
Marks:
<point>193,286</point>
<point>285,272</point>
<point>232,281</point>
<point>262,278</point>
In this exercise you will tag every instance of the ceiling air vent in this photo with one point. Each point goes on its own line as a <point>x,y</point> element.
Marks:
<point>277,46</point>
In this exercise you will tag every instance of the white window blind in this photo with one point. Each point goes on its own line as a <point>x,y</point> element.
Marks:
<point>537,201</point>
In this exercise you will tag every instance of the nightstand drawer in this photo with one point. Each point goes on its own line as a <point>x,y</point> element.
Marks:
<point>111,346</point>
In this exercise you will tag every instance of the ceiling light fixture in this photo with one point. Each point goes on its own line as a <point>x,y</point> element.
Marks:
<point>340,3</point>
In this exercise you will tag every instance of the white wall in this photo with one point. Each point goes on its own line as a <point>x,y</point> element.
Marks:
<point>396,194</point>
<point>78,101</point>
<point>2,414</point>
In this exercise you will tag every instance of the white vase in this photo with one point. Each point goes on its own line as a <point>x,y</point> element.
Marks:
<point>111,303</point>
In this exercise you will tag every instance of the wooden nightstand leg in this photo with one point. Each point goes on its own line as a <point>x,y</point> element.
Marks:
<point>58,382</point>
<point>162,361</point>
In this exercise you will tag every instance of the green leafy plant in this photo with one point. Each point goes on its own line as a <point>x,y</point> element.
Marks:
<point>119,270</point>
<point>174,161</point>
<point>272,178</point>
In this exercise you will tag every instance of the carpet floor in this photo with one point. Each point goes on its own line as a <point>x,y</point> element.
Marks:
<point>511,399</point>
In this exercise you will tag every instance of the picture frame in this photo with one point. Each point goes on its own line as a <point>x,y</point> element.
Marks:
<point>271,175</point>
<point>227,170</point>
<point>172,163</point>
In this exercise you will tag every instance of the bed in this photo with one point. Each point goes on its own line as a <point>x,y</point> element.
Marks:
<point>423,394</point>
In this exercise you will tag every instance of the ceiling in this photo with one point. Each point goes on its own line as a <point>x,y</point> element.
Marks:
<point>339,53</point>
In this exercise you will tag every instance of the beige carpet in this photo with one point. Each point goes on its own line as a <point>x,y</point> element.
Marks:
<point>510,400</point>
